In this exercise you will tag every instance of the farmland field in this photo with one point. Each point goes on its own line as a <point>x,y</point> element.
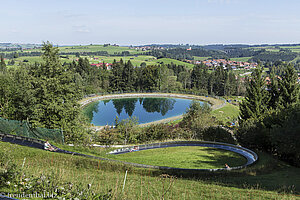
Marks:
<point>295,48</point>
<point>177,62</point>
<point>200,58</point>
<point>92,48</point>
<point>135,60</point>
<point>242,59</point>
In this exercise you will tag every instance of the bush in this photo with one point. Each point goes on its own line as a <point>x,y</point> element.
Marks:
<point>8,170</point>
<point>218,134</point>
<point>253,134</point>
<point>285,137</point>
<point>155,132</point>
<point>197,119</point>
<point>276,132</point>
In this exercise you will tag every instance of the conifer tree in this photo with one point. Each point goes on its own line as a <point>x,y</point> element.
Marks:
<point>288,87</point>
<point>2,65</point>
<point>256,99</point>
<point>56,93</point>
<point>116,80</point>
<point>219,86</point>
<point>129,76</point>
<point>273,90</point>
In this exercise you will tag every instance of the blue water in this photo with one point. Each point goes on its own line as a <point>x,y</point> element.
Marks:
<point>144,109</point>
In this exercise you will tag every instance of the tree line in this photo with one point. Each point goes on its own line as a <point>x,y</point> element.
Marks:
<point>270,114</point>
<point>46,93</point>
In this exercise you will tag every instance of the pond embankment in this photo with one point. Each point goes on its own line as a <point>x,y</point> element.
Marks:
<point>215,102</point>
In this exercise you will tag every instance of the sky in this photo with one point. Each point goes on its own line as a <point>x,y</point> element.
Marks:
<point>138,22</point>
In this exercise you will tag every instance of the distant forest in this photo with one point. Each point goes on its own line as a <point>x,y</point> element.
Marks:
<point>181,52</point>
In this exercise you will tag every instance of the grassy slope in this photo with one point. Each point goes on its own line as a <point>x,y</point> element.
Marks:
<point>91,48</point>
<point>184,157</point>
<point>147,184</point>
<point>200,58</point>
<point>135,60</point>
<point>295,48</point>
<point>227,113</point>
<point>242,59</point>
<point>177,62</point>
<point>32,59</point>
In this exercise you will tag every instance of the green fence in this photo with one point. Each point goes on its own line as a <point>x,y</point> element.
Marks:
<point>23,128</point>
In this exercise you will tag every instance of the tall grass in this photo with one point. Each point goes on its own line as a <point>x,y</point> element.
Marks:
<point>106,176</point>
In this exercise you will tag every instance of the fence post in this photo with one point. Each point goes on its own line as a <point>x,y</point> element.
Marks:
<point>124,180</point>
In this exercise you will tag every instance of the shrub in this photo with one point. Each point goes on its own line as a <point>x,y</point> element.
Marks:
<point>276,132</point>
<point>218,134</point>
<point>8,170</point>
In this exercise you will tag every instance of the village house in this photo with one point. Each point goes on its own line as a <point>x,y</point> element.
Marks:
<point>223,62</point>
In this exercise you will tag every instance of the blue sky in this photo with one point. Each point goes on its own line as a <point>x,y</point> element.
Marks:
<point>135,22</point>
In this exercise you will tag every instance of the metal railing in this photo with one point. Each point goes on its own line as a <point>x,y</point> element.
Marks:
<point>250,155</point>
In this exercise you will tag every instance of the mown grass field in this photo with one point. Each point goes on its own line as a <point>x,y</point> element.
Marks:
<point>91,48</point>
<point>33,59</point>
<point>135,60</point>
<point>201,58</point>
<point>292,48</point>
<point>295,48</point>
<point>241,59</point>
<point>190,157</point>
<point>177,62</point>
<point>227,113</point>
<point>268,179</point>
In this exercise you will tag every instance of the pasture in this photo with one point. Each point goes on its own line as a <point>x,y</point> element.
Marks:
<point>241,59</point>
<point>201,58</point>
<point>135,60</point>
<point>91,48</point>
<point>177,62</point>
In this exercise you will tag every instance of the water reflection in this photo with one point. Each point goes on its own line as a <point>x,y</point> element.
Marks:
<point>127,104</point>
<point>150,105</point>
<point>145,109</point>
<point>160,105</point>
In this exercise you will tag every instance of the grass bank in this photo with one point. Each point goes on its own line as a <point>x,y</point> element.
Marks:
<point>269,179</point>
<point>188,157</point>
<point>227,113</point>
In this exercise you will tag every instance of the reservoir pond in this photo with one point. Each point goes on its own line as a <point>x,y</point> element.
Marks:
<point>104,112</point>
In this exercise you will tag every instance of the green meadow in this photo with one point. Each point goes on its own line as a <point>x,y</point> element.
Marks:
<point>201,58</point>
<point>135,60</point>
<point>177,62</point>
<point>91,48</point>
<point>227,113</point>
<point>190,157</point>
<point>268,179</point>
<point>241,59</point>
